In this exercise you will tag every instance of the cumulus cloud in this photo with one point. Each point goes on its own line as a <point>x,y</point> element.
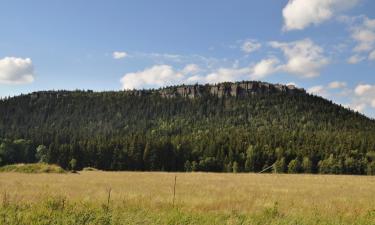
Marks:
<point>16,70</point>
<point>318,90</point>
<point>361,89</point>
<point>373,103</point>
<point>299,14</point>
<point>354,59</point>
<point>364,35</point>
<point>159,75</point>
<point>304,57</point>
<point>227,74</point>
<point>250,46</point>
<point>265,67</point>
<point>191,69</point>
<point>358,107</point>
<point>337,85</point>
<point>119,55</point>
<point>364,96</point>
<point>359,98</point>
<point>372,55</point>
<point>362,31</point>
<point>164,75</point>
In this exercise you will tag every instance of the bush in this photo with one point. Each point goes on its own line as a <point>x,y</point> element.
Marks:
<point>32,168</point>
<point>89,169</point>
<point>294,166</point>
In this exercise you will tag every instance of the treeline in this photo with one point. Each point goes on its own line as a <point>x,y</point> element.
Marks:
<point>296,133</point>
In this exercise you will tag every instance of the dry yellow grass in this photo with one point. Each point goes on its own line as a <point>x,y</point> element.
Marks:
<point>203,192</point>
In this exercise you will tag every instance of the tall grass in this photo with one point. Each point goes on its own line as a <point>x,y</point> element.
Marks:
<point>200,198</point>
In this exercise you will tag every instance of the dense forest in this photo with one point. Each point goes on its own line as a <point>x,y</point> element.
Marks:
<point>228,127</point>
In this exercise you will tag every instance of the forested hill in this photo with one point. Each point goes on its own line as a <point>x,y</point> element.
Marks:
<point>233,127</point>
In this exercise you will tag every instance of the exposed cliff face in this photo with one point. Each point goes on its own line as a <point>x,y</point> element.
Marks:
<point>238,89</point>
<point>227,89</point>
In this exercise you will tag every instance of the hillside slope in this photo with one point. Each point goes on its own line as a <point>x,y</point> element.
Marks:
<point>244,126</point>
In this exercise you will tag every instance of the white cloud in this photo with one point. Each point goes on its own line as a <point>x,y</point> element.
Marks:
<point>299,14</point>
<point>358,107</point>
<point>164,75</point>
<point>191,69</point>
<point>362,89</point>
<point>304,57</point>
<point>337,85</point>
<point>318,90</point>
<point>159,75</point>
<point>365,38</point>
<point>265,67</point>
<point>354,59</point>
<point>364,96</point>
<point>292,84</point>
<point>362,31</point>
<point>250,46</point>
<point>360,98</point>
<point>16,70</point>
<point>226,74</point>
<point>372,55</point>
<point>119,55</point>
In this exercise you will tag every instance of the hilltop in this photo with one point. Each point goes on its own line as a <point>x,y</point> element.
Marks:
<point>242,126</point>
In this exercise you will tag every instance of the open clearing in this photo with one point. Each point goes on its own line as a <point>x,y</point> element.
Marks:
<point>201,198</point>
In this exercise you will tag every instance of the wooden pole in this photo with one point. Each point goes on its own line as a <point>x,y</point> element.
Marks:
<point>174,189</point>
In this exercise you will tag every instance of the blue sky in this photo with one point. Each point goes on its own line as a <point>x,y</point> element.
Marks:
<point>324,46</point>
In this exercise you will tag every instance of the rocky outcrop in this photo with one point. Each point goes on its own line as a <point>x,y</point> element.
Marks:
<point>238,89</point>
<point>227,89</point>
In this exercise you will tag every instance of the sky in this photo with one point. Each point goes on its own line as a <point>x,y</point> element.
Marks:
<point>324,46</point>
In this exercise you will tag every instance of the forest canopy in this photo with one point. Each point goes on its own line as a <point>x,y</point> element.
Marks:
<point>168,130</point>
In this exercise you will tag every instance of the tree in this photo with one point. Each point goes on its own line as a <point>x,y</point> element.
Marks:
<point>146,156</point>
<point>294,166</point>
<point>187,166</point>
<point>307,165</point>
<point>144,130</point>
<point>250,159</point>
<point>194,166</point>
<point>330,165</point>
<point>280,166</point>
<point>73,164</point>
<point>371,168</point>
<point>42,154</point>
<point>235,167</point>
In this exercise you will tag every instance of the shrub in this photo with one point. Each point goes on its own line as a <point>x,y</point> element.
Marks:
<point>32,168</point>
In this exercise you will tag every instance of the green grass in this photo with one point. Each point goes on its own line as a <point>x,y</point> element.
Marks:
<point>58,210</point>
<point>32,168</point>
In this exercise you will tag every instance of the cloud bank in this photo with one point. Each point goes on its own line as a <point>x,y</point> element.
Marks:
<point>299,14</point>
<point>16,70</point>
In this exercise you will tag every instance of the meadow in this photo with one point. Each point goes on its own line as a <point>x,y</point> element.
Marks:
<point>96,197</point>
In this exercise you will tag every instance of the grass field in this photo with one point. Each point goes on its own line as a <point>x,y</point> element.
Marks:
<point>201,198</point>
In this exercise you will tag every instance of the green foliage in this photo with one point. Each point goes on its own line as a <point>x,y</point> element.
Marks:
<point>188,167</point>
<point>371,168</point>
<point>307,165</point>
<point>32,168</point>
<point>58,210</point>
<point>132,131</point>
<point>235,167</point>
<point>73,164</point>
<point>280,166</point>
<point>42,154</point>
<point>194,166</point>
<point>294,166</point>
